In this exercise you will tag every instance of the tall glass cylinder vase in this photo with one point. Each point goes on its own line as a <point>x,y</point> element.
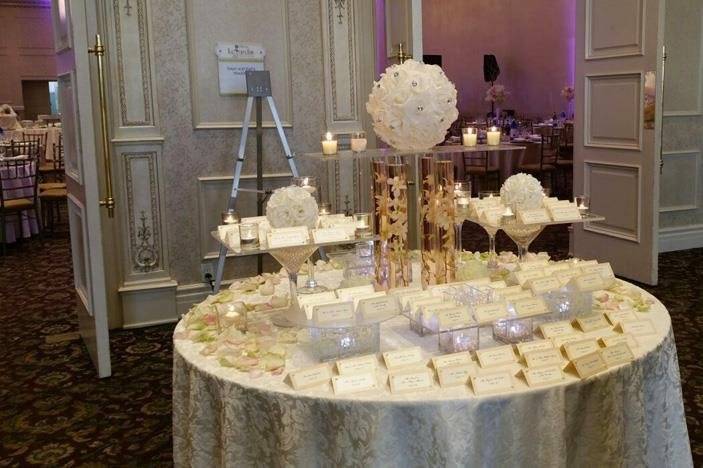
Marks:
<point>428,216</point>
<point>379,170</point>
<point>444,194</point>
<point>400,272</point>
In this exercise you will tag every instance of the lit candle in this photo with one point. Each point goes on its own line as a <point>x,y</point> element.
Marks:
<point>358,142</point>
<point>462,201</point>
<point>469,136</point>
<point>230,217</point>
<point>493,136</point>
<point>582,204</point>
<point>363,225</point>
<point>329,144</point>
<point>249,235</point>
<point>508,212</point>
<point>324,209</point>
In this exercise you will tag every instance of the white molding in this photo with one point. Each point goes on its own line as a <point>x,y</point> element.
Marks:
<point>188,295</point>
<point>698,111</point>
<point>589,54</point>
<point>75,173</point>
<point>149,304</point>
<point>690,206</point>
<point>83,291</point>
<point>680,238</point>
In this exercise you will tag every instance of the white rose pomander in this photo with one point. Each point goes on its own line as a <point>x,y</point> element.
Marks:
<point>522,192</point>
<point>291,207</point>
<point>412,106</point>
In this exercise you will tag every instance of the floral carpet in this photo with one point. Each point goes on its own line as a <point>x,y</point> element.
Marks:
<point>54,411</point>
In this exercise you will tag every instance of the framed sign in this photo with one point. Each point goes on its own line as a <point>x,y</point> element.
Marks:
<point>233,61</point>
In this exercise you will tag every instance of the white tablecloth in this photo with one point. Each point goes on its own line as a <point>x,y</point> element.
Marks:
<point>631,415</point>
<point>28,225</point>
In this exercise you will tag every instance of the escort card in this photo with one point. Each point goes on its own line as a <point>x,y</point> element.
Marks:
<point>346,384</point>
<point>403,358</point>
<point>587,283</point>
<point>492,216</point>
<point>497,284</point>
<point>358,298</point>
<point>591,322</point>
<point>589,365</point>
<point>565,276</point>
<point>310,377</point>
<point>638,327</point>
<point>485,281</point>
<point>287,237</point>
<point>333,234</point>
<point>539,377</point>
<point>523,276</point>
<point>403,382</point>
<point>496,382</point>
<point>454,318</point>
<point>586,263</point>
<point>487,313</point>
<point>510,290</point>
<point>451,376</point>
<point>536,216</point>
<point>373,307</point>
<point>530,307</point>
<point>617,354</point>
<point>540,286</point>
<point>617,316</point>
<point>430,310</point>
<point>517,296</point>
<point>564,213</point>
<point>225,229</point>
<point>576,349</point>
<point>537,345</point>
<point>533,265</point>
<point>553,329</point>
<point>405,298</point>
<point>615,339</point>
<point>358,365</point>
<point>553,268</point>
<point>603,269</point>
<point>333,312</point>
<point>402,291</point>
<point>347,294</point>
<point>308,300</point>
<point>498,356</point>
<point>545,357</point>
<point>552,201</point>
<point>560,341</point>
<point>462,358</point>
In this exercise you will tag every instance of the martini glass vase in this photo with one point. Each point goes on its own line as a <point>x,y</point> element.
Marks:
<point>291,259</point>
<point>492,255</point>
<point>309,183</point>
<point>522,235</point>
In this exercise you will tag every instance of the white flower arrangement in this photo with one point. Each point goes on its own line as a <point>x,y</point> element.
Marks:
<point>291,207</point>
<point>522,192</point>
<point>497,93</point>
<point>6,109</point>
<point>567,92</point>
<point>412,105</point>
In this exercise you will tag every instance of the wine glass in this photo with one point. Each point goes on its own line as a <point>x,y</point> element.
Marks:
<point>521,234</point>
<point>490,229</point>
<point>311,286</point>
<point>462,195</point>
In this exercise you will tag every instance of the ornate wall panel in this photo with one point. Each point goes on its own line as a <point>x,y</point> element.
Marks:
<point>613,113</point>
<point>80,250</point>
<point>679,181</point>
<point>612,30</point>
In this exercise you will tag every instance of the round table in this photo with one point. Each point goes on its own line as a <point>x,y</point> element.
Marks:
<point>630,415</point>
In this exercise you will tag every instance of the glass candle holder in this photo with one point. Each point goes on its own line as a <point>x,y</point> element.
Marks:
<point>249,235</point>
<point>469,136</point>
<point>493,136</point>
<point>329,144</point>
<point>582,203</point>
<point>230,217</point>
<point>308,183</point>
<point>547,191</point>
<point>462,196</point>
<point>358,142</point>
<point>363,225</point>
<point>324,209</point>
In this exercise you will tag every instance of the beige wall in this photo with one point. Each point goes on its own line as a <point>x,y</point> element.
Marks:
<point>531,39</point>
<point>26,49</point>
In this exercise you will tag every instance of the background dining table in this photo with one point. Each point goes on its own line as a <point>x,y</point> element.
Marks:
<point>29,224</point>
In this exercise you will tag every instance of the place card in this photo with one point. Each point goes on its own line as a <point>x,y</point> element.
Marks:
<point>544,357</point>
<point>332,234</point>
<point>492,216</point>
<point>517,296</point>
<point>576,349</point>
<point>355,383</point>
<point>454,318</point>
<point>415,305</point>
<point>414,381</point>
<point>554,329</point>
<point>612,340</point>
<point>405,298</point>
<point>225,229</point>
<point>591,322</point>
<point>603,269</point>
<point>498,356</point>
<point>347,294</point>
<point>310,377</point>
<point>617,354</point>
<point>560,341</point>
<point>523,276</point>
<point>358,365</point>
<point>638,327</point>
<point>403,291</point>
<point>488,313</point>
<point>373,307</point>
<point>530,307</point>
<point>484,281</point>
<point>540,286</point>
<point>587,283</point>
<point>549,270</point>
<point>564,276</point>
<point>496,382</point>
<point>615,317</point>
<point>317,298</point>
<point>542,376</point>
<point>405,357</point>
<point>586,263</point>
<point>532,265</point>
<point>357,299</point>
<point>563,213</point>
<point>589,365</point>
<point>450,360</point>
<point>452,376</point>
<point>430,310</point>
<point>536,216</point>
<point>547,201</point>
<point>287,237</point>
<point>333,312</point>
<point>537,345</point>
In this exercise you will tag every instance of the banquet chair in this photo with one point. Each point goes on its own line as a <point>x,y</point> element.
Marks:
<point>54,194</point>
<point>565,158</point>
<point>549,150</point>
<point>37,142</point>
<point>478,170</point>
<point>56,172</point>
<point>18,193</point>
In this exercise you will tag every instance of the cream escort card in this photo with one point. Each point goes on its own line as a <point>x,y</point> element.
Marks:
<point>510,290</point>
<point>541,376</point>
<point>516,296</point>
<point>498,356</point>
<point>530,307</point>
<point>462,358</point>
<point>587,283</point>
<point>454,318</point>
<point>536,216</point>
<point>355,383</point>
<point>333,312</point>
<point>310,377</point>
<point>497,284</point>
<point>532,265</point>
<point>405,298</point>
<point>452,376</point>
<point>603,269</point>
<point>589,365</point>
<point>488,313</point>
<point>307,301</point>
<point>537,345</point>
<point>347,294</point>
<point>545,357</point>
<point>576,349</point>
<point>225,229</point>
<point>401,358</point>
<point>617,354</point>
<point>612,340</point>
<point>617,316</point>
<point>561,340</point>
<point>591,322</point>
<point>373,295</point>
<point>638,327</point>
<point>496,382</point>
<point>553,329</point>
<point>403,291</point>
<point>523,276</point>
<point>288,237</point>
<point>333,234</point>
<point>567,275</point>
<point>586,263</point>
<point>553,268</point>
<point>371,308</point>
<point>404,382</point>
<point>358,365</point>
<point>563,213</point>
<point>540,286</point>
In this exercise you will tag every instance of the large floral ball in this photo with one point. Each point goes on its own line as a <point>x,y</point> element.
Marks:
<point>291,207</point>
<point>522,191</point>
<point>412,106</point>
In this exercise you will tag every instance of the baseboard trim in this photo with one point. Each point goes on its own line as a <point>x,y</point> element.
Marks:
<point>672,239</point>
<point>188,295</point>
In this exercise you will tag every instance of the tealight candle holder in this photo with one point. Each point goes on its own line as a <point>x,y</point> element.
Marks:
<point>324,209</point>
<point>308,183</point>
<point>363,225</point>
<point>493,136</point>
<point>249,236</point>
<point>358,142</point>
<point>329,144</point>
<point>230,217</point>
<point>469,136</point>
<point>513,330</point>
<point>582,203</point>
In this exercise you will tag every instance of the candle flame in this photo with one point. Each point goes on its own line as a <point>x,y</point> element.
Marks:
<point>328,136</point>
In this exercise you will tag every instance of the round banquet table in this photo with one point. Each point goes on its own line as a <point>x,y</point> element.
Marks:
<point>630,415</point>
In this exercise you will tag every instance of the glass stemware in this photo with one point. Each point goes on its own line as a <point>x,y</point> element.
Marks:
<point>521,234</point>
<point>491,230</point>
<point>292,258</point>
<point>309,183</point>
<point>462,196</point>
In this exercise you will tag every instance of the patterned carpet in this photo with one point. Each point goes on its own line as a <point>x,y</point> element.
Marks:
<point>55,412</point>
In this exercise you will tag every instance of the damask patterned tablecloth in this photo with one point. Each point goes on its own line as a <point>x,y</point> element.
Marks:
<point>630,415</point>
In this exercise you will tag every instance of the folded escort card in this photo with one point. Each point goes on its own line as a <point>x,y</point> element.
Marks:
<point>288,237</point>
<point>449,360</point>
<point>591,322</point>
<point>523,276</point>
<point>371,308</point>
<point>488,313</point>
<point>604,270</point>
<point>617,354</point>
<point>516,296</point>
<point>411,381</point>
<point>564,276</point>
<point>355,383</point>
<point>576,349</point>
<point>497,284</point>
<point>540,286</point>
<point>617,316</point>
<point>561,340</point>
<point>587,282</point>
<point>544,357</point>
<point>535,216</point>
<point>347,294</point>
<point>496,382</point>
<point>401,358</point>
<point>333,234</point>
<point>452,376</point>
<point>498,356</point>
<point>310,377</point>
<point>612,340</point>
<point>358,365</point>
<point>530,307</point>
<point>589,364</point>
<point>564,213</point>
<point>553,329</point>
<point>542,376</point>
<point>555,267</point>
<point>333,313</point>
<point>638,327</point>
<point>455,317</point>
<point>537,345</point>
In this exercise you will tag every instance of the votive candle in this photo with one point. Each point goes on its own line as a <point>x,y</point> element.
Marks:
<point>329,144</point>
<point>493,136</point>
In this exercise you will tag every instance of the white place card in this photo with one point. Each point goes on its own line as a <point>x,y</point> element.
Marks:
<point>587,283</point>
<point>547,201</point>
<point>560,341</point>
<point>545,357</point>
<point>542,376</point>
<point>414,304</point>
<point>537,345</point>
<point>452,376</point>
<point>373,307</point>
<point>554,329</point>
<point>586,263</point>
<point>536,216</point>
<point>414,381</point>
<point>333,312</point>
<point>589,365</point>
<point>333,234</point>
<point>517,296</point>
<point>615,317</point>
<point>327,296</point>
<point>488,313</point>
<point>603,269</point>
<point>564,276</point>
<point>454,318</point>
<point>555,267</point>
<point>432,310</point>
<point>492,216</point>
<point>405,357</point>
<point>347,294</point>
<point>310,377</point>
<point>638,327</point>
<point>462,358</point>
<point>357,299</point>
<point>496,382</point>
<point>523,276</point>
<point>358,365</point>
<point>563,213</point>
<point>617,354</point>
<point>288,237</point>
<point>532,265</point>
<point>591,322</point>
<point>540,286</point>
<point>403,291</point>
<point>226,229</point>
<point>530,307</point>
<point>498,356</point>
<point>576,349</point>
<point>612,340</point>
<point>355,383</point>
<point>405,298</point>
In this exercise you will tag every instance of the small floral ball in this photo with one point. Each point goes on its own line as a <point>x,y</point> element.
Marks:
<point>291,207</point>
<point>522,191</point>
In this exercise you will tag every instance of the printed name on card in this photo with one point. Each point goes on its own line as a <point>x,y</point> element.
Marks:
<point>542,376</point>
<point>561,340</point>
<point>576,349</point>
<point>621,315</point>
<point>554,329</point>
<point>589,365</point>
<point>537,345</point>
<point>545,357</point>
<point>455,359</point>
<point>530,307</point>
<point>587,283</point>
<point>488,313</point>
<point>287,237</point>
<point>405,357</point>
<point>523,276</point>
<point>451,376</point>
<point>533,265</point>
<point>516,296</point>
<point>536,216</point>
<point>488,384</point>
<point>540,286</point>
<point>348,294</point>
<point>638,327</point>
<point>564,212</point>
<point>565,276</point>
<point>414,381</point>
<point>622,338</point>
<point>333,234</point>
<point>333,312</point>
<point>454,318</point>
<point>617,354</point>
<point>346,384</point>
<point>358,365</point>
<point>310,377</point>
<point>374,307</point>
<point>498,356</point>
<point>591,322</point>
